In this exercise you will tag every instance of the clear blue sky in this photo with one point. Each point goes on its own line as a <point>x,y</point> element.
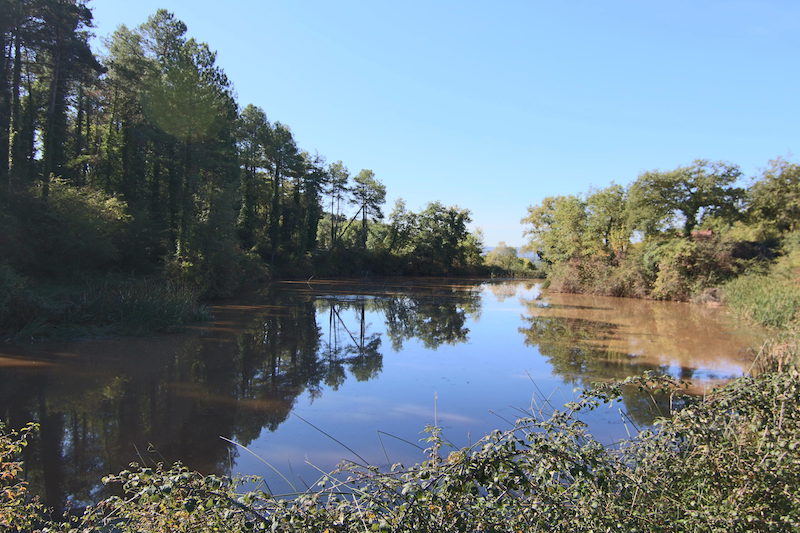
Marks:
<point>494,105</point>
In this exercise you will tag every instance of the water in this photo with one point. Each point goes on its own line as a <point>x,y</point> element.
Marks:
<point>370,364</point>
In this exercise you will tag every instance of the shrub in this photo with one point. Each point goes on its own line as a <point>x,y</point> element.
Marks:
<point>18,512</point>
<point>83,228</point>
<point>601,276</point>
<point>685,267</point>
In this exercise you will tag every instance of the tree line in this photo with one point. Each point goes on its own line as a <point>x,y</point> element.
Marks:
<point>669,234</point>
<point>142,160</point>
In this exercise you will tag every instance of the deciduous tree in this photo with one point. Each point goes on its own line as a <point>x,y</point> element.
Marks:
<point>685,196</point>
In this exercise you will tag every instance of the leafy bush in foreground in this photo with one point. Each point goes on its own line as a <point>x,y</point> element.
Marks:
<point>729,462</point>
<point>17,511</point>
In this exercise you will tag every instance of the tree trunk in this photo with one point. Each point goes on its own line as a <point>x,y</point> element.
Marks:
<point>78,133</point>
<point>333,225</point>
<point>690,223</point>
<point>29,139</point>
<point>5,110</point>
<point>186,202</point>
<point>17,147</point>
<point>54,130</point>
<point>174,198</point>
<point>364,226</point>
<point>275,215</point>
<point>155,186</point>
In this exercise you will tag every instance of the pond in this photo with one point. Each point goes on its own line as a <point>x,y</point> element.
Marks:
<point>304,374</point>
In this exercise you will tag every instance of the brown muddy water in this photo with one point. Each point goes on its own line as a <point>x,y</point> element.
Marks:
<point>369,363</point>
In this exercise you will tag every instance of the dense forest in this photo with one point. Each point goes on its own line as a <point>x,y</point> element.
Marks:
<point>140,163</point>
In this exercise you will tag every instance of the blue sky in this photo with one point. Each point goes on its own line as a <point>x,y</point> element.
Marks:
<point>494,105</point>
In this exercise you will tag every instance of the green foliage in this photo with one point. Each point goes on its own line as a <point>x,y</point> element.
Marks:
<point>588,244</point>
<point>629,278</point>
<point>558,228</point>
<point>433,242</point>
<point>18,512</point>
<point>151,168</point>
<point>770,296</point>
<point>673,269</point>
<point>775,198</point>
<point>608,224</point>
<point>440,242</point>
<point>685,267</point>
<point>87,227</point>
<point>769,300</point>
<point>175,499</point>
<point>18,306</point>
<point>369,195</point>
<point>724,462</point>
<point>133,307</point>
<point>503,260</point>
<point>565,228</point>
<point>83,228</point>
<point>685,195</point>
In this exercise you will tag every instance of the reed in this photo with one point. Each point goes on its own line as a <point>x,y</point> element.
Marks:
<point>770,300</point>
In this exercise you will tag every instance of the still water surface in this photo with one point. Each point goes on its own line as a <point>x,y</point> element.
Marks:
<point>364,362</point>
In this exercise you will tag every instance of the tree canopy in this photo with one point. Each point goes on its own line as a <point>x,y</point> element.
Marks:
<point>685,196</point>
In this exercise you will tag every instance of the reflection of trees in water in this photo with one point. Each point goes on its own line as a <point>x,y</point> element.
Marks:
<point>686,335</point>
<point>181,393</point>
<point>348,342</point>
<point>435,314</point>
<point>504,290</point>
<point>591,338</point>
<point>573,347</point>
<point>435,319</point>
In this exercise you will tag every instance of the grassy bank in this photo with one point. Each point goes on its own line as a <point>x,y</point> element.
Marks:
<point>768,300</point>
<point>727,462</point>
<point>770,297</point>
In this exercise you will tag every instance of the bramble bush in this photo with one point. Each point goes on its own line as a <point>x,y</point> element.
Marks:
<point>18,512</point>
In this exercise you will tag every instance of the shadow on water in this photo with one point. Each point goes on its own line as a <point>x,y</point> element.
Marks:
<point>104,403</point>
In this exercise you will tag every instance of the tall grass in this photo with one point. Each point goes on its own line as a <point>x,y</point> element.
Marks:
<point>770,300</point>
<point>779,354</point>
